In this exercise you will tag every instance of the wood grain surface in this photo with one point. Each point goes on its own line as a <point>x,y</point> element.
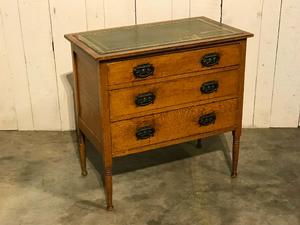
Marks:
<point>166,65</point>
<point>174,92</point>
<point>88,87</point>
<point>172,125</point>
<point>111,109</point>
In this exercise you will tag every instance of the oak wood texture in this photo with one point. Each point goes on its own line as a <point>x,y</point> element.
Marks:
<point>88,87</point>
<point>175,92</point>
<point>106,89</point>
<point>166,65</point>
<point>172,125</point>
<point>82,154</point>
<point>235,152</point>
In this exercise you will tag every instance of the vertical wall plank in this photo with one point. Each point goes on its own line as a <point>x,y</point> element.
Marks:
<point>35,21</point>
<point>286,94</point>
<point>208,8</point>
<point>246,15</point>
<point>66,18</point>
<point>266,63</point>
<point>152,11</point>
<point>95,14</point>
<point>180,9</point>
<point>15,53</point>
<point>119,13</point>
<point>43,98</point>
<point>8,120</point>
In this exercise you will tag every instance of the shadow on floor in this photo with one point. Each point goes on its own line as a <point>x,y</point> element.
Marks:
<point>160,156</point>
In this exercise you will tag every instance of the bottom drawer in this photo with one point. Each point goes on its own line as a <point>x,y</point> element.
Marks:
<point>152,129</point>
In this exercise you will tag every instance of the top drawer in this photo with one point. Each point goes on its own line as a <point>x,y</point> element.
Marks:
<point>137,70</point>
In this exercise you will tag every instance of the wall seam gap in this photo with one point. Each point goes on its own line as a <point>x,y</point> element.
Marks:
<point>172,14</point>
<point>86,17</point>
<point>221,12</point>
<point>104,11</point>
<point>54,63</point>
<point>135,13</point>
<point>257,63</point>
<point>26,67</point>
<point>190,4</point>
<point>276,57</point>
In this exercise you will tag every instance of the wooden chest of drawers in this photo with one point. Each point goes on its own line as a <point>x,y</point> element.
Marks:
<point>147,86</point>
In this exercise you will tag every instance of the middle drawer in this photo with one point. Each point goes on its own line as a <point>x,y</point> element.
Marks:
<point>147,98</point>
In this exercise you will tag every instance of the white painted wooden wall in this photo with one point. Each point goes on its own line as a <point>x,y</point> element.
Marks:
<point>35,58</point>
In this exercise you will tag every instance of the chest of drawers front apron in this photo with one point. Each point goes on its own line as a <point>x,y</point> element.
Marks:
<point>132,71</point>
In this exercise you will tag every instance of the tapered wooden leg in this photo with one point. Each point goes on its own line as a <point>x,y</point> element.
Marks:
<point>235,152</point>
<point>82,153</point>
<point>108,188</point>
<point>199,143</point>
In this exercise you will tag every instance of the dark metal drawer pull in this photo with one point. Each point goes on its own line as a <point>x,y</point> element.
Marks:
<point>144,132</point>
<point>144,99</point>
<point>209,87</point>
<point>207,119</point>
<point>143,71</point>
<point>210,59</point>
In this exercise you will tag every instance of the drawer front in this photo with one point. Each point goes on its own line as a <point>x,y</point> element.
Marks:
<point>157,128</point>
<point>141,69</point>
<point>144,98</point>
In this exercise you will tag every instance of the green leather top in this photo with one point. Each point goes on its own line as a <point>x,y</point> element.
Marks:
<point>155,34</point>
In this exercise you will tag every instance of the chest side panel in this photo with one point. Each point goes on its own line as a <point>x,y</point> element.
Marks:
<point>88,89</point>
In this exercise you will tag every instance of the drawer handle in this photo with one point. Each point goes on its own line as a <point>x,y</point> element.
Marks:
<point>143,70</point>
<point>207,119</point>
<point>209,87</point>
<point>144,132</point>
<point>145,99</point>
<point>210,59</point>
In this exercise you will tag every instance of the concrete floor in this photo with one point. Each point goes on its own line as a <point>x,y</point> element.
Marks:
<point>40,182</point>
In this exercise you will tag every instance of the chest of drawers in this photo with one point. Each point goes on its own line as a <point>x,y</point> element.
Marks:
<point>147,86</point>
